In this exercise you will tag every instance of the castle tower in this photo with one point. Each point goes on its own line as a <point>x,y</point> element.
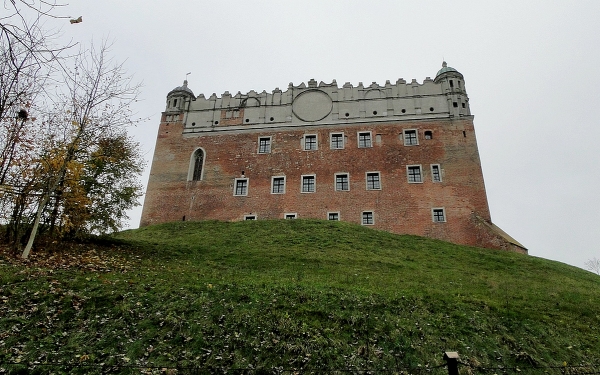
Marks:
<point>400,157</point>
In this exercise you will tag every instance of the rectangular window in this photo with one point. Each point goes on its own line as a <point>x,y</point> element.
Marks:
<point>436,175</point>
<point>278,185</point>
<point>364,140</point>
<point>367,218</point>
<point>310,142</point>
<point>438,215</point>
<point>291,216</point>
<point>414,173</point>
<point>249,217</point>
<point>337,141</point>
<point>342,182</point>
<point>373,181</point>
<point>333,216</point>
<point>410,138</point>
<point>240,186</point>
<point>308,184</point>
<point>264,145</point>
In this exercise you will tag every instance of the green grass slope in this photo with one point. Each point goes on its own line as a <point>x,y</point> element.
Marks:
<point>299,294</point>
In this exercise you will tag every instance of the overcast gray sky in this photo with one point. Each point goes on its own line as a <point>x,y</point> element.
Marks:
<point>531,70</point>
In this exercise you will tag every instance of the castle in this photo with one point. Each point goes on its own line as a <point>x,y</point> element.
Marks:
<point>401,157</point>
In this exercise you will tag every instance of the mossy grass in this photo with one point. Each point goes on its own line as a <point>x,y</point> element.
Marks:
<point>299,294</point>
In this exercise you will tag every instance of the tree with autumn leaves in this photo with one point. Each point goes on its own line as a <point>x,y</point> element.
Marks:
<point>67,166</point>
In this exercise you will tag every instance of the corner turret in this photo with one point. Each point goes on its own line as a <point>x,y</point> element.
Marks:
<point>453,86</point>
<point>179,97</point>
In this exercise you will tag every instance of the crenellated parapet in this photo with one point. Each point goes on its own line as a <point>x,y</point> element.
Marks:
<point>321,103</point>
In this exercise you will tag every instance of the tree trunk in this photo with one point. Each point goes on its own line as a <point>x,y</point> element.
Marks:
<point>36,224</point>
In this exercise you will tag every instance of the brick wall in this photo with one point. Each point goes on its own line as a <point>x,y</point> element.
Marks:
<point>399,206</point>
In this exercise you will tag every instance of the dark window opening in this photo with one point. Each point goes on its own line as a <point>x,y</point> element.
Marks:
<point>428,134</point>
<point>431,109</point>
<point>374,112</point>
<point>364,140</point>
<point>272,118</point>
<point>373,182</point>
<point>175,103</point>
<point>414,174</point>
<point>438,215</point>
<point>403,110</point>
<point>333,216</point>
<point>451,83</point>
<point>341,182</point>
<point>455,104</point>
<point>464,134</point>
<point>216,122</point>
<point>198,163</point>
<point>278,185</point>
<point>247,120</point>
<point>464,105</point>
<point>310,142</point>
<point>347,114</point>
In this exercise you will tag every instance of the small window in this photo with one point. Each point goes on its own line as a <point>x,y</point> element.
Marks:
<point>278,185</point>
<point>451,83</point>
<point>410,137</point>
<point>308,184</point>
<point>290,216</point>
<point>436,174</point>
<point>464,105</point>
<point>414,173</point>
<point>455,104</point>
<point>438,215</point>
<point>373,181</point>
<point>367,218</point>
<point>240,187</point>
<point>264,145</point>
<point>249,217</point>
<point>310,142</point>
<point>428,134</point>
<point>175,103</point>
<point>333,216</point>
<point>364,140</point>
<point>342,182</point>
<point>337,141</point>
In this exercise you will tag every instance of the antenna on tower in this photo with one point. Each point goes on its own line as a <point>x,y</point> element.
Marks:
<point>187,74</point>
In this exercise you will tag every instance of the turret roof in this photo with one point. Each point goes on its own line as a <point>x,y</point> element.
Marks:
<point>445,69</point>
<point>184,88</point>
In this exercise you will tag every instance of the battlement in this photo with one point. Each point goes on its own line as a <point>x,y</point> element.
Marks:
<point>320,104</point>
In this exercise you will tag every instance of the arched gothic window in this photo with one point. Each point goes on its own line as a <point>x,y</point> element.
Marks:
<point>198,161</point>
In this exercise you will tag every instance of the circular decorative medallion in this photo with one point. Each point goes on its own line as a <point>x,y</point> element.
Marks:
<point>312,105</point>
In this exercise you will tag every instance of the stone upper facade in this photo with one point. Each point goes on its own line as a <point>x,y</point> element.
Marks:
<point>401,157</point>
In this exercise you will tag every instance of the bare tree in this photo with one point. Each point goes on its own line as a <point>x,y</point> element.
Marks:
<point>95,105</point>
<point>593,265</point>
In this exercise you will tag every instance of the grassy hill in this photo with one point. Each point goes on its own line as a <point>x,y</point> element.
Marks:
<point>295,294</point>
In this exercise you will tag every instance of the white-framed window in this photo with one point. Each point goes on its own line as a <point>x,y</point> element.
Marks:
<point>289,216</point>
<point>342,181</point>
<point>196,169</point>
<point>410,137</point>
<point>436,173</point>
<point>264,145</point>
<point>364,140</point>
<point>240,187</point>
<point>438,215</point>
<point>310,142</point>
<point>249,217</point>
<point>368,218</point>
<point>333,216</point>
<point>414,174</point>
<point>336,141</point>
<point>278,185</point>
<point>309,183</point>
<point>373,181</point>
